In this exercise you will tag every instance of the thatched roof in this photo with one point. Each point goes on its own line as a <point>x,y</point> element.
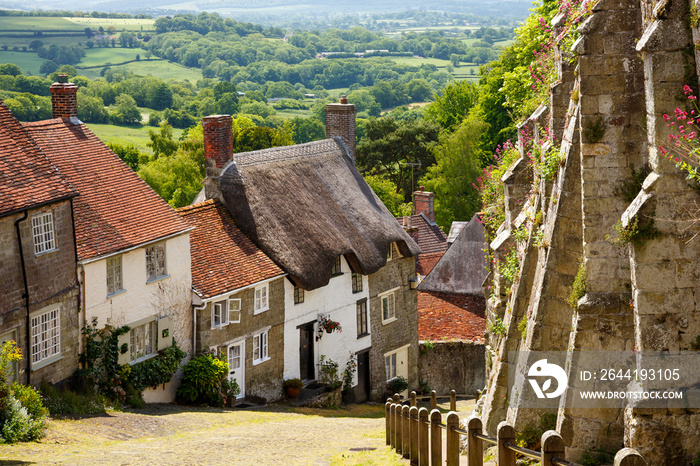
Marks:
<point>462,268</point>
<point>305,205</point>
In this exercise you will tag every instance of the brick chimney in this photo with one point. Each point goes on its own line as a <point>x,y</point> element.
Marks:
<point>218,138</point>
<point>64,98</point>
<point>424,201</point>
<point>218,149</point>
<point>340,121</point>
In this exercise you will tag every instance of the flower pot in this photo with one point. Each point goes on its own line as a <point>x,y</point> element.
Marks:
<point>329,330</point>
<point>292,392</point>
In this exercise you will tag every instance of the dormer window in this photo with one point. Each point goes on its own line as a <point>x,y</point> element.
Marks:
<point>336,268</point>
<point>393,253</point>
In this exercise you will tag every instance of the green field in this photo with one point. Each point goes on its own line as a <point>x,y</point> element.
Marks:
<point>420,61</point>
<point>28,61</point>
<point>137,135</point>
<point>36,23</point>
<point>101,56</point>
<point>162,69</point>
<point>120,24</point>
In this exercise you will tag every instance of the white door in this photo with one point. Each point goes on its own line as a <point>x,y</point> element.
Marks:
<point>236,365</point>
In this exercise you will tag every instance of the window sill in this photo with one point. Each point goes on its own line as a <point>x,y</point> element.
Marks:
<point>46,362</point>
<point>356,291</point>
<point>143,358</point>
<point>260,361</point>
<point>388,321</point>
<point>362,335</point>
<point>336,274</point>
<point>157,279</point>
<point>43,253</point>
<point>118,292</point>
<point>260,311</point>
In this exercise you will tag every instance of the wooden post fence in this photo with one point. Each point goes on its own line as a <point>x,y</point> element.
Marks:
<point>417,435</point>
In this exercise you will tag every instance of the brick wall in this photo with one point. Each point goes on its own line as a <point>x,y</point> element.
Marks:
<point>403,331</point>
<point>51,279</point>
<point>218,138</point>
<point>264,379</point>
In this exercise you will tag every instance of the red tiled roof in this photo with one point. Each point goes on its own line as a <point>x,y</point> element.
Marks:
<point>429,236</point>
<point>451,316</point>
<point>27,178</point>
<point>116,209</point>
<point>223,258</point>
<point>426,262</point>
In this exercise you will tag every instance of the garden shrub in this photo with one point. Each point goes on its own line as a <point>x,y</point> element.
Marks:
<point>202,379</point>
<point>64,401</point>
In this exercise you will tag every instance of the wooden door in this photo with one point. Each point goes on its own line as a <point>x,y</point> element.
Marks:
<point>306,352</point>
<point>362,392</point>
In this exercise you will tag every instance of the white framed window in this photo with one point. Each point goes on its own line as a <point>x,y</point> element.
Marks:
<point>46,335</point>
<point>234,311</point>
<point>260,347</point>
<point>43,233</point>
<point>261,299</point>
<point>142,340</point>
<point>155,262</point>
<point>390,365</point>
<point>388,305</point>
<point>219,316</point>
<point>114,275</point>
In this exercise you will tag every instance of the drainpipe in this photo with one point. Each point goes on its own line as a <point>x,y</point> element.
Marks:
<point>26,293</point>
<point>194,325</point>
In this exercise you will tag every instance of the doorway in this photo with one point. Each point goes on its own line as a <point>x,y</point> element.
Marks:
<point>236,365</point>
<point>362,391</point>
<point>306,352</point>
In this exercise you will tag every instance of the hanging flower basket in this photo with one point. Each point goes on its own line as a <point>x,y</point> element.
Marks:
<point>330,326</point>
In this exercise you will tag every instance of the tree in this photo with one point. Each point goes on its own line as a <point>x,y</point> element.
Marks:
<point>10,69</point>
<point>92,109</point>
<point>228,104</point>
<point>389,145</point>
<point>305,129</point>
<point>126,111</point>
<point>162,142</point>
<point>130,154</point>
<point>452,104</point>
<point>386,192</point>
<point>260,137</point>
<point>459,160</point>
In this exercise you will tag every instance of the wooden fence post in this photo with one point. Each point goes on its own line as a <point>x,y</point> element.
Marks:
<point>387,414</point>
<point>552,446</point>
<point>397,397</point>
<point>392,424</point>
<point>398,428</point>
<point>452,439</point>
<point>475,446</point>
<point>435,438</point>
<point>453,400</point>
<point>406,431</point>
<point>414,402</point>
<point>413,414</point>
<point>423,430</point>
<point>506,433</point>
<point>433,400</point>
<point>629,457</point>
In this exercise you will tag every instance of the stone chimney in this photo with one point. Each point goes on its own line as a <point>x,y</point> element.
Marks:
<point>218,149</point>
<point>340,121</point>
<point>64,98</point>
<point>424,201</point>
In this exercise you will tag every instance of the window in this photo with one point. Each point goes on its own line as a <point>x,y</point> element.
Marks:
<point>260,348</point>
<point>46,335</point>
<point>142,339</point>
<point>114,274</point>
<point>261,301</point>
<point>43,233</point>
<point>234,311</point>
<point>393,253</point>
<point>362,318</point>
<point>390,365</point>
<point>388,307</point>
<point>298,295</point>
<point>336,268</point>
<point>356,282</point>
<point>225,312</point>
<point>155,262</point>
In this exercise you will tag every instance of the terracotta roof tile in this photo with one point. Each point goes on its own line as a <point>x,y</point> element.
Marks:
<point>429,236</point>
<point>451,316</point>
<point>27,178</point>
<point>223,258</point>
<point>426,262</point>
<point>116,209</point>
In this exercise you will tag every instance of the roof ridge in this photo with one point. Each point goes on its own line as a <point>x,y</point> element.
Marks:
<point>199,205</point>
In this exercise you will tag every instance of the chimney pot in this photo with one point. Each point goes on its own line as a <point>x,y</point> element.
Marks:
<point>62,78</point>
<point>343,99</point>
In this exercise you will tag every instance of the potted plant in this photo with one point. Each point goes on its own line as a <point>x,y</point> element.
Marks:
<point>330,326</point>
<point>292,387</point>
<point>230,390</point>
